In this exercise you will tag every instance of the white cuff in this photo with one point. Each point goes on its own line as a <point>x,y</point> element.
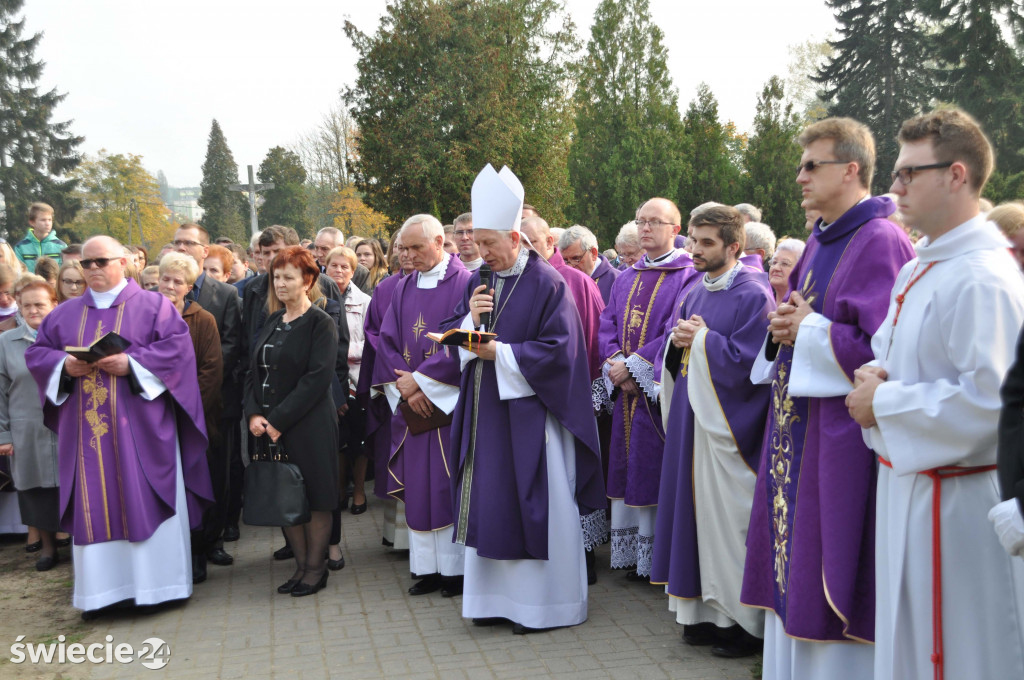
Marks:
<point>609,388</point>
<point>511,383</point>
<point>643,376</point>
<point>1009,526</point>
<point>445,397</point>
<point>393,395</point>
<point>152,386</point>
<point>53,385</point>
<point>762,371</point>
<point>466,356</point>
<point>816,373</point>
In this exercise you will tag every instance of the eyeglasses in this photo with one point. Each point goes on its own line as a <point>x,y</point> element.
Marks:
<point>73,283</point>
<point>182,243</point>
<point>906,175</point>
<point>463,232</point>
<point>99,262</point>
<point>811,166</point>
<point>653,224</point>
<point>574,260</point>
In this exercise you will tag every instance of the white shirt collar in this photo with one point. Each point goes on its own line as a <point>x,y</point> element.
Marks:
<point>429,279</point>
<point>661,258</point>
<point>105,300</point>
<point>722,281</point>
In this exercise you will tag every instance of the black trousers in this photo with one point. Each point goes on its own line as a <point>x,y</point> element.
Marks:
<point>205,538</point>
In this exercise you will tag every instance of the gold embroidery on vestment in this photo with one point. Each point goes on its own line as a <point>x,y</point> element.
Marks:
<point>781,449</point>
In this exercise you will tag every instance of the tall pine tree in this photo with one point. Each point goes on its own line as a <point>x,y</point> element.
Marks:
<point>980,46</point>
<point>713,175</point>
<point>36,153</point>
<point>629,139</point>
<point>770,160</point>
<point>286,202</point>
<point>223,208</point>
<point>877,72</point>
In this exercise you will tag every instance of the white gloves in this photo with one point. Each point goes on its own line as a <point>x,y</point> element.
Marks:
<point>1009,525</point>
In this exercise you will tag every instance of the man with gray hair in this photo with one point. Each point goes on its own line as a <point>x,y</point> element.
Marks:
<point>329,238</point>
<point>627,245</point>
<point>420,379</point>
<point>579,249</point>
<point>749,212</point>
<point>760,246</point>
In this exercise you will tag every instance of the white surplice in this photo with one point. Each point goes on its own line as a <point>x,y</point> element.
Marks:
<point>534,593</point>
<point>946,359</point>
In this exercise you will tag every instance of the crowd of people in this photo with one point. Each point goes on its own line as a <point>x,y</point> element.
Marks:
<point>739,416</point>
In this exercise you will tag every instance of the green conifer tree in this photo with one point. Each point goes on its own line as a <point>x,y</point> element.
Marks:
<point>36,153</point>
<point>223,208</point>
<point>286,202</point>
<point>713,176</point>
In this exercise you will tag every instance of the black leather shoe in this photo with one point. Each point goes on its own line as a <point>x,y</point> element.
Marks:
<point>742,645</point>
<point>386,543</point>
<point>336,565</point>
<point>34,547</point>
<point>219,557</point>
<point>63,542</point>
<point>358,509</point>
<point>231,533</point>
<point>288,586</point>
<point>304,589</point>
<point>700,634</point>
<point>284,553</point>
<point>635,577</point>
<point>591,561</point>
<point>428,584</point>
<point>47,562</point>
<point>520,629</point>
<point>451,586</point>
<point>489,621</point>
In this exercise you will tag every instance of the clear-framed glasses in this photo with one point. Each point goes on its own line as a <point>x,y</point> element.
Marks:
<point>906,175</point>
<point>653,224</point>
<point>72,283</point>
<point>573,260</point>
<point>464,233</point>
<point>182,243</point>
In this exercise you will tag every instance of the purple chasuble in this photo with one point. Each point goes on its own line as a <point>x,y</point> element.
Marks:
<point>604,275</point>
<point>737,320</point>
<point>419,465</point>
<point>810,546</point>
<point>378,415</point>
<point>643,303</point>
<point>588,303</point>
<point>117,450</point>
<point>503,512</point>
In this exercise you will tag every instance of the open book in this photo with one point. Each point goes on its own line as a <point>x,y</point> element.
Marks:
<point>462,338</point>
<point>106,346</point>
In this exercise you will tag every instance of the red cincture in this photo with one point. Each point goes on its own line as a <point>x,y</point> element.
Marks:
<point>903,296</point>
<point>937,475</point>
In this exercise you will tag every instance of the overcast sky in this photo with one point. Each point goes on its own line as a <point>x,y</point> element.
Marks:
<point>148,77</point>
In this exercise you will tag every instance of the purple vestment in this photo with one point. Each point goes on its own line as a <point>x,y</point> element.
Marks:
<point>378,415</point>
<point>737,319</point>
<point>643,303</point>
<point>810,546</point>
<point>117,450</point>
<point>604,275</point>
<point>419,464</point>
<point>588,303</point>
<point>501,444</point>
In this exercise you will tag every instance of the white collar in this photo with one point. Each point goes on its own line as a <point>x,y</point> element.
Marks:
<point>660,258</point>
<point>472,264</point>
<point>429,279</point>
<point>976,233</point>
<point>722,281</point>
<point>8,311</point>
<point>105,300</point>
<point>519,266</point>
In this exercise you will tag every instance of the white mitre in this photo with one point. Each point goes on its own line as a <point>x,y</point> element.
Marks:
<point>497,200</point>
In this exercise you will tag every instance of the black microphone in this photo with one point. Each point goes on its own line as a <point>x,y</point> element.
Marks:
<point>485,280</point>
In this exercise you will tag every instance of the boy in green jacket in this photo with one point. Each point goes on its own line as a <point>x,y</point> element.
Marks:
<point>40,240</point>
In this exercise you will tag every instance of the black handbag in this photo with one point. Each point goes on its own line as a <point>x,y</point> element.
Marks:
<point>275,493</point>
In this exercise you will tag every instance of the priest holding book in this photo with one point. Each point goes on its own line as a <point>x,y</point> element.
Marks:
<point>421,380</point>
<point>132,442</point>
<point>524,439</point>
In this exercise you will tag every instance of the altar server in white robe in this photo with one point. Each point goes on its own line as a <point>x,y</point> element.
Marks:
<point>950,600</point>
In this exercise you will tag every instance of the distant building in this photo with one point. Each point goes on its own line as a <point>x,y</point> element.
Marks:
<point>184,203</point>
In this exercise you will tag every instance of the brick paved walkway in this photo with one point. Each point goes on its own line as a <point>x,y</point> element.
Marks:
<point>363,625</point>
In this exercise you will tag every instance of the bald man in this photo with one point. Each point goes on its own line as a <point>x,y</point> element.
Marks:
<point>132,437</point>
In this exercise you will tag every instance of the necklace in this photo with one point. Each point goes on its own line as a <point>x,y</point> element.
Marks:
<point>901,297</point>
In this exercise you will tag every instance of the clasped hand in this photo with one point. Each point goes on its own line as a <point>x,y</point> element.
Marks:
<point>860,402</point>
<point>785,321</point>
<point>619,374</point>
<point>413,395</point>
<point>260,426</point>
<point>686,330</point>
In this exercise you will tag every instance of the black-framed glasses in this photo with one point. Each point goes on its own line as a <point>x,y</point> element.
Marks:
<point>653,224</point>
<point>75,283</point>
<point>99,262</point>
<point>574,260</point>
<point>811,166</point>
<point>182,243</point>
<point>906,175</point>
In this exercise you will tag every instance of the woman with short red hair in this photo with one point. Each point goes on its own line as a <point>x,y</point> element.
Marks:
<point>288,402</point>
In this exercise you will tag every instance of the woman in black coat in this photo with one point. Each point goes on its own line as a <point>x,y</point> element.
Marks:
<point>288,399</point>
